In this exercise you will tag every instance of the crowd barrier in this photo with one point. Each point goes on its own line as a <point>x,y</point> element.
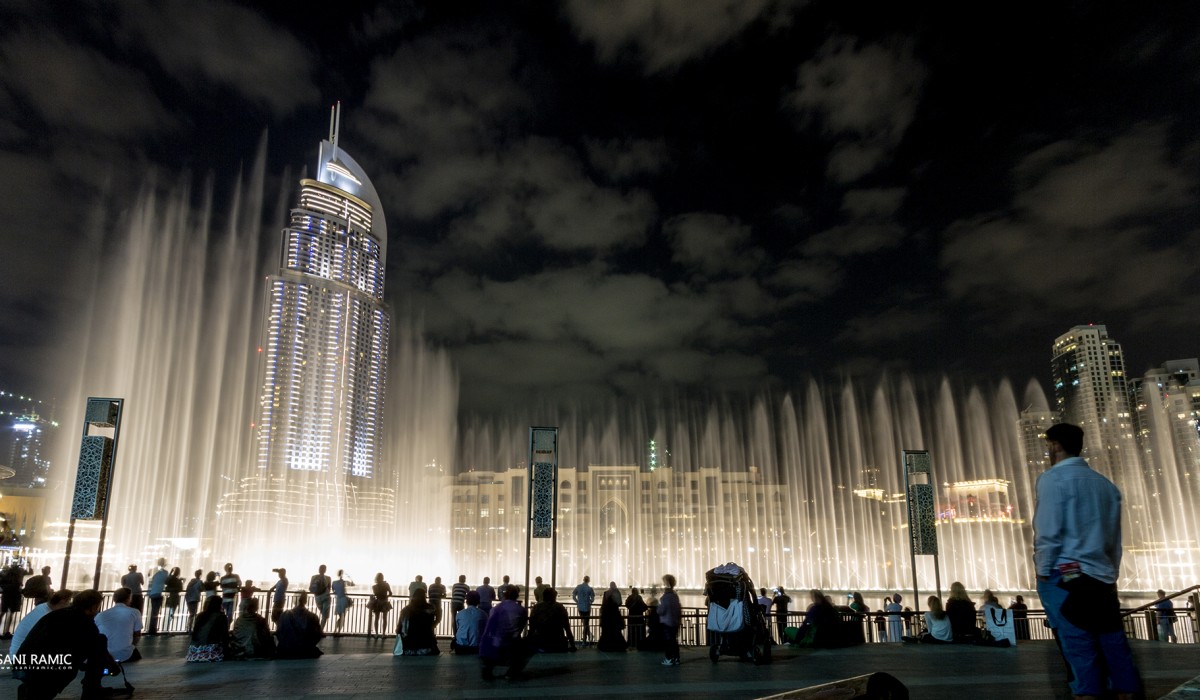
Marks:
<point>1140,623</point>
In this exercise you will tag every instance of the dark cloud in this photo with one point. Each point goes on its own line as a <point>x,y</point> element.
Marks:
<point>807,280</point>
<point>1085,185</point>
<point>608,198</point>
<point>865,96</point>
<point>76,88</point>
<point>711,244</point>
<point>539,191</point>
<point>854,239</point>
<point>228,45</point>
<point>664,34</point>
<point>622,159</point>
<point>877,330</point>
<point>444,95</point>
<point>877,204</point>
<point>1085,230</point>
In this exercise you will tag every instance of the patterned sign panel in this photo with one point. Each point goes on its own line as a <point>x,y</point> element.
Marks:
<point>102,412</point>
<point>922,532</point>
<point>542,510</point>
<point>543,460</point>
<point>93,481</point>
<point>916,462</point>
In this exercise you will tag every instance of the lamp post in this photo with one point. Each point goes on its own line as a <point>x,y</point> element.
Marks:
<point>93,479</point>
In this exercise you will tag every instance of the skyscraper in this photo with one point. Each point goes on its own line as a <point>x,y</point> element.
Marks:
<point>1090,391</point>
<point>326,330</point>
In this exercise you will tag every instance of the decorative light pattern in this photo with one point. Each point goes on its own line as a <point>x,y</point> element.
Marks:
<point>326,339</point>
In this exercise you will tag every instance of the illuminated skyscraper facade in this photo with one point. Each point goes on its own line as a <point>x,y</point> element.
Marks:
<point>326,330</point>
<point>1090,390</point>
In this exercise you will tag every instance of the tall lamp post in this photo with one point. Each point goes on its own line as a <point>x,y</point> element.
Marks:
<point>922,533</point>
<point>93,480</point>
<point>542,498</point>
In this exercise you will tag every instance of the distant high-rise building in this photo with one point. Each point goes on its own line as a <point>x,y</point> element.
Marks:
<point>1032,425</point>
<point>25,435</point>
<point>1090,391</point>
<point>326,329</point>
<point>27,457</point>
<point>1166,403</point>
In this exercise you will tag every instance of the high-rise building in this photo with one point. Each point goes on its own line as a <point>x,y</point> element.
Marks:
<point>1032,425</point>
<point>1090,391</point>
<point>1166,403</point>
<point>25,437</point>
<point>326,330</point>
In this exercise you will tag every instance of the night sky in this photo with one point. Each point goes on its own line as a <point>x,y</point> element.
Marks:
<point>618,198</point>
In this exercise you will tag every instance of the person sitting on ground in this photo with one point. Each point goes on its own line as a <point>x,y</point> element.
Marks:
<point>469,627</point>
<point>550,625</point>
<point>820,622</point>
<point>501,642</point>
<point>251,638</point>
<point>418,625</point>
<point>299,631</point>
<point>210,635</point>
<point>937,625</point>
<point>122,625</point>
<point>962,614</point>
<point>68,632</point>
<point>1001,629</point>
<point>57,601</point>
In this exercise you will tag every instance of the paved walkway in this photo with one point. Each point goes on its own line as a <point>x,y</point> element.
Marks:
<point>356,668</point>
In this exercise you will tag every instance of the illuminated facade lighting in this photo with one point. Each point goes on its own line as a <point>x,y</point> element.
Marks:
<point>326,329</point>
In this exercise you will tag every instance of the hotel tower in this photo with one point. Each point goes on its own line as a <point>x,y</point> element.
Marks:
<point>326,331</point>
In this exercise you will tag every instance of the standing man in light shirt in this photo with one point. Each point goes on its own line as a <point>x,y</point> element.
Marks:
<point>158,583</point>
<point>1077,556</point>
<point>584,596</point>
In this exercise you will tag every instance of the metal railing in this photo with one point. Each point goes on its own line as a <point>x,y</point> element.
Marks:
<point>1140,623</point>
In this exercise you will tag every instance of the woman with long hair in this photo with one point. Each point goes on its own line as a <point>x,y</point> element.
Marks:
<point>937,625</point>
<point>210,636</point>
<point>418,622</point>
<point>962,614</point>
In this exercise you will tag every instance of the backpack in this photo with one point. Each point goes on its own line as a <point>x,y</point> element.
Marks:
<point>319,585</point>
<point>35,587</point>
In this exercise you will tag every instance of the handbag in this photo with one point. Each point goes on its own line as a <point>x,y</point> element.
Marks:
<point>398,650</point>
<point>205,653</point>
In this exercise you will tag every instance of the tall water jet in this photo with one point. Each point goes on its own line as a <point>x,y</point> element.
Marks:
<point>174,328</point>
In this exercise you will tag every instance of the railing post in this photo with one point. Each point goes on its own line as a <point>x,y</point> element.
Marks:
<point>1194,615</point>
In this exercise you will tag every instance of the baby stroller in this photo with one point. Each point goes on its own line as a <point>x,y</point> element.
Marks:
<point>736,623</point>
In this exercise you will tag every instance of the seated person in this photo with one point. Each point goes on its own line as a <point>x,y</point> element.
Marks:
<point>962,614</point>
<point>57,601</point>
<point>70,631</point>
<point>550,625</point>
<point>819,628</point>
<point>251,638</point>
<point>210,634</point>
<point>502,642</point>
<point>123,627</point>
<point>299,631</point>
<point>470,621</point>
<point>937,625</point>
<point>418,625</point>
